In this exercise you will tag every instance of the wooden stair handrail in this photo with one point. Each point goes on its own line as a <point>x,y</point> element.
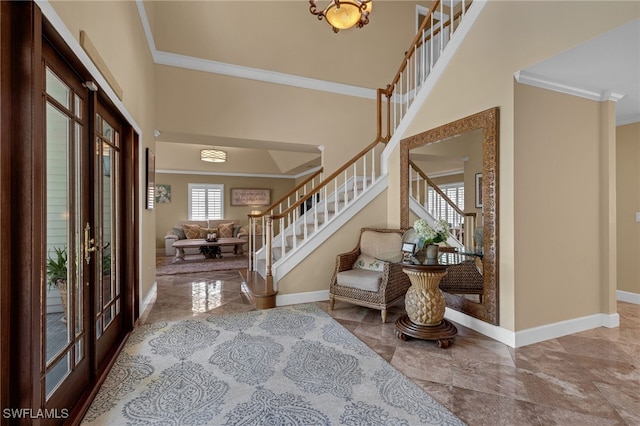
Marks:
<point>330,178</point>
<point>287,195</point>
<point>418,40</point>
<point>439,191</point>
<point>412,47</point>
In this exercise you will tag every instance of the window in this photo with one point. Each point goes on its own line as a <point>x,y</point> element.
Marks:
<point>440,209</point>
<point>206,201</point>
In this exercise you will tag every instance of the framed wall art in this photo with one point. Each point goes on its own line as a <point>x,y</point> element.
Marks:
<point>479,190</point>
<point>163,194</point>
<point>250,197</point>
<point>150,183</point>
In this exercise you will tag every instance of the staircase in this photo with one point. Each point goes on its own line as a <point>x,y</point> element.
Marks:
<point>429,202</point>
<point>289,230</point>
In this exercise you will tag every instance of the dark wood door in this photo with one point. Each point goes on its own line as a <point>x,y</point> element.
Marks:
<point>83,305</point>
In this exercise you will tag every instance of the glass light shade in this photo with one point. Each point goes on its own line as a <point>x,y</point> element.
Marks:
<point>345,16</point>
<point>213,155</point>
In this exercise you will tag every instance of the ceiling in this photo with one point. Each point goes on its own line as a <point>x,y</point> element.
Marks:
<point>605,67</point>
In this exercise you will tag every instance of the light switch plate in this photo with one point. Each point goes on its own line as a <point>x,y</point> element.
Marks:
<point>637,216</point>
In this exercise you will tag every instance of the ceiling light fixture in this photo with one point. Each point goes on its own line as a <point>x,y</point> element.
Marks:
<point>213,155</point>
<point>343,14</point>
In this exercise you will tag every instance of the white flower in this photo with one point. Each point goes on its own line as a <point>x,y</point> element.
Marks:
<point>431,234</point>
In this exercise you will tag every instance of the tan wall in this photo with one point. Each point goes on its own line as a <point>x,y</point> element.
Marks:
<point>314,273</point>
<point>628,203</point>
<point>557,219</point>
<point>208,104</point>
<point>168,214</point>
<point>506,38</point>
<point>127,55</point>
<point>254,34</point>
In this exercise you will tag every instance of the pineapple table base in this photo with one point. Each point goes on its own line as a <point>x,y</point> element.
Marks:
<point>425,306</point>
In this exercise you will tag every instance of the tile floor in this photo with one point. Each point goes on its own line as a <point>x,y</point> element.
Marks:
<point>588,378</point>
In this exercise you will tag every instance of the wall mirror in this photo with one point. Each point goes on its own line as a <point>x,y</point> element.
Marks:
<point>462,153</point>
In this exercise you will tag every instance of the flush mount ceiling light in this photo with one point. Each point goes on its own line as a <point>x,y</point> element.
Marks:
<point>213,155</point>
<point>343,14</point>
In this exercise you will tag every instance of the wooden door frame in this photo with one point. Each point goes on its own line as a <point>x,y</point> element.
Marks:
<point>22,207</point>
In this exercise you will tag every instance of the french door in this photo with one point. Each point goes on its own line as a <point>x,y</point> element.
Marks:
<point>82,295</point>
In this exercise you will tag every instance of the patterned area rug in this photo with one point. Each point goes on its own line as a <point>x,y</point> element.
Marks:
<point>198,263</point>
<point>285,366</point>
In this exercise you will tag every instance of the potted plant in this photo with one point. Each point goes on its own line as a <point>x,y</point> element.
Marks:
<point>430,236</point>
<point>57,275</point>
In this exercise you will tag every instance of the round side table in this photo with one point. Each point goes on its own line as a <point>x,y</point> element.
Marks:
<point>425,307</point>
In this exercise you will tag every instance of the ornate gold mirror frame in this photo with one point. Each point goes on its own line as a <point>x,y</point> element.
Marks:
<point>489,122</point>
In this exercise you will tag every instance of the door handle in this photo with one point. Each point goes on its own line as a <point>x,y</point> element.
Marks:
<point>89,246</point>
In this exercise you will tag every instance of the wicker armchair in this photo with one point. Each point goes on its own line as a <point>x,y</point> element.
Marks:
<point>362,280</point>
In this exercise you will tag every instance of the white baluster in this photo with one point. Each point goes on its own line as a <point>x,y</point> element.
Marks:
<point>431,45</point>
<point>451,20</point>
<point>335,196</point>
<point>373,165</point>
<point>441,28</point>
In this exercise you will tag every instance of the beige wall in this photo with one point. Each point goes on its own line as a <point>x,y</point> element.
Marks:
<point>208,104</point>
<point>126,54</point>
<point>282,36</point>
<point>494,56</point>
<point>628,203</point>
<point>557,218</point>
<point>168,214</point>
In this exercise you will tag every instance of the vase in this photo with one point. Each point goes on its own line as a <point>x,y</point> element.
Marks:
<point>431,251</point>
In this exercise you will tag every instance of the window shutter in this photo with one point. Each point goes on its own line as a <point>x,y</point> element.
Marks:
<point>206,201</point>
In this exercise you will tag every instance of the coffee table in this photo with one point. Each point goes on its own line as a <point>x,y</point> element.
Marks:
<point>180,245</point>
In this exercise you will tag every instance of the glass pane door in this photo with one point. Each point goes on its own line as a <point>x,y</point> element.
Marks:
<point>64,334</point>
<point>107,297</point>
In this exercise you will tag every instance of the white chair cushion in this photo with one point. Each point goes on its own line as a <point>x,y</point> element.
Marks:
<point>360,278</point>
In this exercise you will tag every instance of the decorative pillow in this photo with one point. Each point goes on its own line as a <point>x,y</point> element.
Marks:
<point>225,230</point>
<point>192,231</point>
<point>180,233</point>
<point>369,263</point>
<point>206,231</point>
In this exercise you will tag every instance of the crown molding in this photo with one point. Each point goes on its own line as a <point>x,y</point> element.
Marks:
<point>249,175</point>
<point>215,67</point>
<point>531,79</point>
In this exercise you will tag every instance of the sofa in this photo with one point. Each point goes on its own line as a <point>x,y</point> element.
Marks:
<point>200,228</point>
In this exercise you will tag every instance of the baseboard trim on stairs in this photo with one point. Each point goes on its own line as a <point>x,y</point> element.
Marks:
<point>297,298</point>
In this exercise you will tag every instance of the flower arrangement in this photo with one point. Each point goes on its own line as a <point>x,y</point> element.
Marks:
<point>431,234</point>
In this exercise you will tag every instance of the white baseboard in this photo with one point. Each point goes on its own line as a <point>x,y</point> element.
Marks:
<point>150,298</point>
<point>296,298</point>
<point>535,334</point>
<point>508,337</point>
<point>627,296</point>
<point>493,331</point>
<point>564,328</point>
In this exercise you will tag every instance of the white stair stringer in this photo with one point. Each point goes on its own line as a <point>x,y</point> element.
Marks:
<point>422,213</point>
<point>283,266</point>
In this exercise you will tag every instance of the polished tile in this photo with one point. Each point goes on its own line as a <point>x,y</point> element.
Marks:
<point>589,378</point>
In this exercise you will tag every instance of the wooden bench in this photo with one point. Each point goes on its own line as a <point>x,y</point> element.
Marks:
<point>180,245</point>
